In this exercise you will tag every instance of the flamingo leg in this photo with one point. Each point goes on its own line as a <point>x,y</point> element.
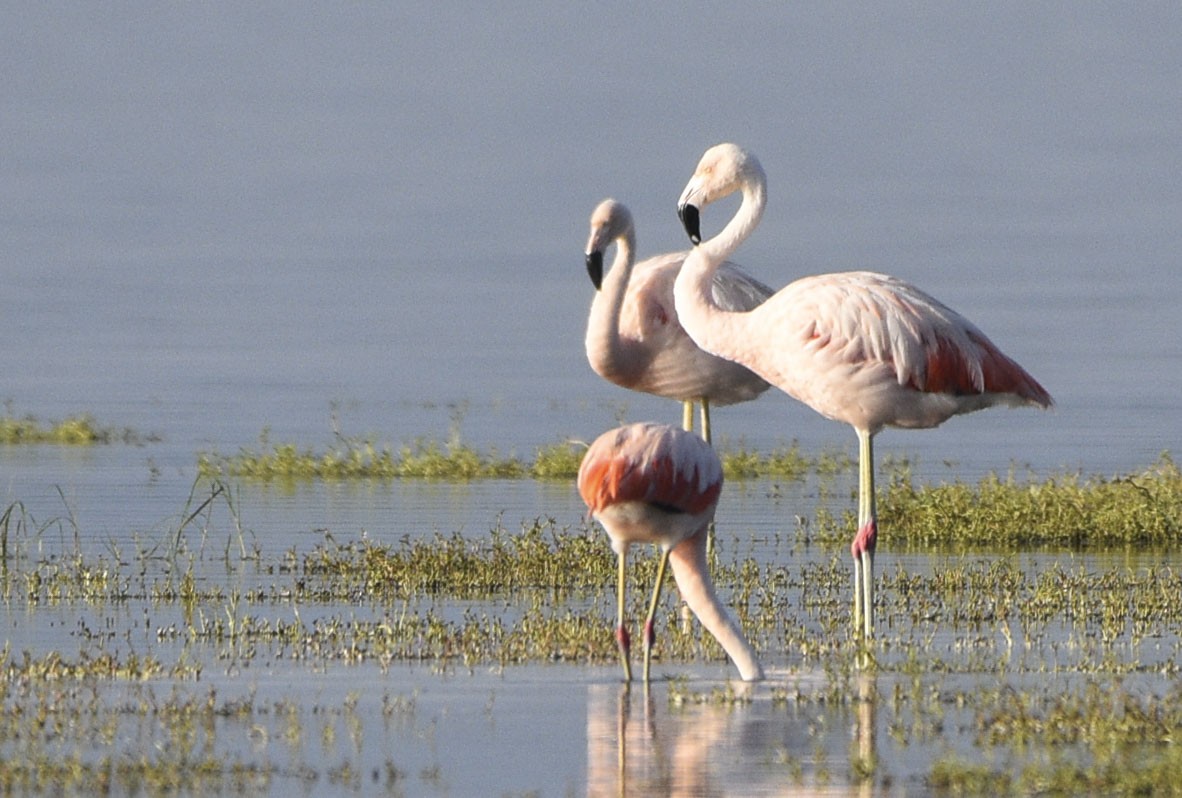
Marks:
<point>707,437</point>
<point>622,638</point>
<point>650,632</point>
<point>864,542</point>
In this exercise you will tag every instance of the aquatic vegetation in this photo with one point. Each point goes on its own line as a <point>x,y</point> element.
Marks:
<point>59,737</point>
<point>1080,662</point>
<point>1142,509</point>
<point>1101,737</point>
<point>54,667</point>
<point>559,461</point>
<point>79,430</point>
<point>361,458</point>
<point>1071,510</point>
<point>544,592</point>
<point>788,463</point>
<point>541,555</point>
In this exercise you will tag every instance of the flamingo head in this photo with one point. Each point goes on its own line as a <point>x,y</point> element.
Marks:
<point>723,170</point>
<point>611,221</point>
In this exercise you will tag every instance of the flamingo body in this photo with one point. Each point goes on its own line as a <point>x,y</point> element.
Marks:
<point>654,483</point>
<point>860,347</point>
<point>634,338</point>
<point>874,351</point>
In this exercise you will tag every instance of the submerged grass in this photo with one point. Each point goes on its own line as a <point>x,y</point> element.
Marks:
<point>79,430</point>
<point>1104,737</point>
<point>998,513</point>
<point>544,593</point>
<point>360,458</point>
<point>541,556</point>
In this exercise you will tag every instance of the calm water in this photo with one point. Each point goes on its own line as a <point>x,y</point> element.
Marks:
<point>220,221</point>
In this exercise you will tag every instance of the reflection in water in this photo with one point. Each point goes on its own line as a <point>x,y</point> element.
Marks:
<point>864,732</point>
<point>639,744</point>
<point>629,755</point>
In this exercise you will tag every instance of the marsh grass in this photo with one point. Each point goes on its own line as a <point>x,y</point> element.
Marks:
<point>541,556</point>
<point>1142,509</point>
<point>544,594</point>
<point>361,458</point>
<point>1069,673</point>
<point>786,462</point>
<point>80,430</point>
<point>1101,737</point>
<point>555,587</point>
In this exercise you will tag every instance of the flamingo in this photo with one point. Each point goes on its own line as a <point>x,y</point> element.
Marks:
<point>655,483</point>
<point>860,347</point>
<point>633,337</point>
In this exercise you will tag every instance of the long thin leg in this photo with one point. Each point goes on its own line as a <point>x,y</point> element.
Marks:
<point>857,593</point>
<point>687,415</point>
<point>622,638</point>
<point>864,542</point>
<point>650,632</point>
<point>706,436</point>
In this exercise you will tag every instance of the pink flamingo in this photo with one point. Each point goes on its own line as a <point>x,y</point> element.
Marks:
<point>654,483</point>
<point>633,337</point>
<point>867,349</point>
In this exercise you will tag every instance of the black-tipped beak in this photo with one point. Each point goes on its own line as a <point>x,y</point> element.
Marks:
<point>595,268</point>
<point>691,222</point>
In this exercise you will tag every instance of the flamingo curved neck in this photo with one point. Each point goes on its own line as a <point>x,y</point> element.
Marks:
<point>711,327</point>
<point>692,574</point>
<point>605,348</point>
<point>745,220</point>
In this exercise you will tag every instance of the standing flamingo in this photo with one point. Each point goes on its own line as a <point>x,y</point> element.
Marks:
<point>655,483</point>
<point>867,349</point>
<point>633,337</point>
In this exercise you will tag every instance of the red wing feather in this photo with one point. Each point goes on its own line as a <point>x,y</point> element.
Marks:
<point>650,468</point>
<point>950,369</point>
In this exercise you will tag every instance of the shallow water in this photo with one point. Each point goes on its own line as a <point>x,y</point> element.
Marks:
<point>278,219</point>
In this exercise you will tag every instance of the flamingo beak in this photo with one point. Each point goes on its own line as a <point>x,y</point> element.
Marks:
<point>595,268</point>
<point>691,221</point>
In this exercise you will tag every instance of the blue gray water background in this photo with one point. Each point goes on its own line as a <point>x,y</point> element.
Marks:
<point>301,218</point>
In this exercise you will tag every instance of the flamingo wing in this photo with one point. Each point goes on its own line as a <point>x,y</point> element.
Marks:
<point>864,318</point>
<point>735,290</point>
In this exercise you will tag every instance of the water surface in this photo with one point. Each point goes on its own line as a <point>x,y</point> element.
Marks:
<point>369,220</point>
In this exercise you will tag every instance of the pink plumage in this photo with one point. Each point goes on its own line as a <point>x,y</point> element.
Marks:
<point>648,463</point>
<point>865,348</point>
<point>633,336</point>
<point>654,483</point>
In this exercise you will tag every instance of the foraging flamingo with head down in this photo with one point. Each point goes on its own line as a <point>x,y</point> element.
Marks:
<point>860,347</point>
<point>655,483</point>
<point>633,336</point>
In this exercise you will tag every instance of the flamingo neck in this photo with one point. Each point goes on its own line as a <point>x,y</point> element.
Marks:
<point>701,317</point>
<point>687,560</point>
<point>741,225</point>
<point>605,349</point>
